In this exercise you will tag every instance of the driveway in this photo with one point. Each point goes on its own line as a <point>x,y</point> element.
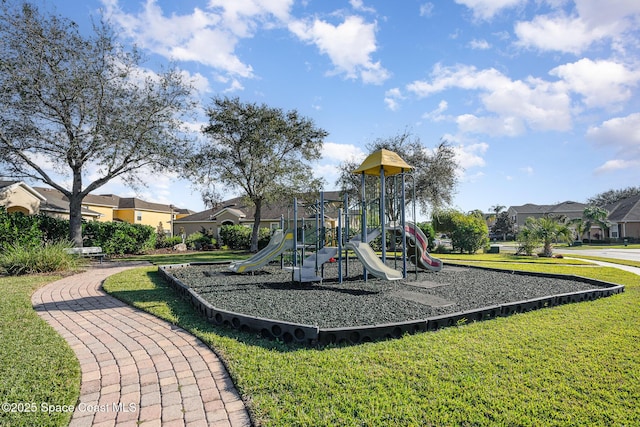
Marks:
<point>626,254</point>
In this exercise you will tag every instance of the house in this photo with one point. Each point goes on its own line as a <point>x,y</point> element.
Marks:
<point>624,217</point>
<point>568,209</point>
<point>237,211</point>
<point>55,204</point>
<point>17,196</point>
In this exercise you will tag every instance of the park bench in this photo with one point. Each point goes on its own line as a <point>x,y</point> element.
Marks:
<point>90,251</point>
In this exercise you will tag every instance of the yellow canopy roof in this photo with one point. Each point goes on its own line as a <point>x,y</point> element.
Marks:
<point>392,163</point>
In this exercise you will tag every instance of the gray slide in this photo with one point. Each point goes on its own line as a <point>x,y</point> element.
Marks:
<point>372,262</point>
<point>307,273</point>
<point>280,242</point>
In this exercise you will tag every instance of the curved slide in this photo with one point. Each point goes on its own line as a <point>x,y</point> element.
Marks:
<point>280,242</point>
<point>425,261</point>
<point>372,262</point>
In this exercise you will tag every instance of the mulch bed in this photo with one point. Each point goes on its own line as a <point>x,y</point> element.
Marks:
<point>270,293</point>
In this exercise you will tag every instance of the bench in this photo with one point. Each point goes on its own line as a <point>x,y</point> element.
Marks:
<point>90,251</point>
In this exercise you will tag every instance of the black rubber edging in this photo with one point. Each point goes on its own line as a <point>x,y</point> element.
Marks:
<point>312,335</point>
<point>272,329</point>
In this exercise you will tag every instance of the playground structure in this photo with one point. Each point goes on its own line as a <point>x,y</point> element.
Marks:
<point>372,222</point>
<point>371,219</point>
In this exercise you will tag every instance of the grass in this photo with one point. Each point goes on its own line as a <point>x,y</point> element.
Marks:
<point>18,260</point>
<point>571,365</point>
<point>506,258</point>
<point>611,260</point>
<point>36,364</point>
<point>178,258</point>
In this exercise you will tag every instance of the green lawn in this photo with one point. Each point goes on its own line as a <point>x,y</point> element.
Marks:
<point>506,258</point>
<point>36,364</point>
<point>178,258</point>
<point>572,365</point>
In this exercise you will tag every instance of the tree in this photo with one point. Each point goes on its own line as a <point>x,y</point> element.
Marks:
<point>76,108</point>
<point>263,151</point>
<point>547,230</point>
<point>613,196</point>
<point>595,215</point>
<point>504,225</point>
<point>434,175</point>
<point>579,225</point>
<point>468,231</point>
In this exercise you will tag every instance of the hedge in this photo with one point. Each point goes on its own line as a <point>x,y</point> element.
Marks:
<point>115,238</point>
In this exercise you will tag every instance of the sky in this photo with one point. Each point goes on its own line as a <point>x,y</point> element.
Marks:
<point>539,98</point>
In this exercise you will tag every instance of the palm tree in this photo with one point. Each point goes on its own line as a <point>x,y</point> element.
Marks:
<point>580,227</point>
<point>549,230</point>
<point>595,215</point>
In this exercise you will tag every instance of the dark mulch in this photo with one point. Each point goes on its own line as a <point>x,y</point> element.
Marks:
<point>271,294</point>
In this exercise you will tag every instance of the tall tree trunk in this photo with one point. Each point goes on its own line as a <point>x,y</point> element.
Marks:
<point>256,225</point>
<point>75,220</point>
<point>75,210</point>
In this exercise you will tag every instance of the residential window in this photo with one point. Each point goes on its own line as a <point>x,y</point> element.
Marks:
<point>614,231</point>
<point>138,216</point>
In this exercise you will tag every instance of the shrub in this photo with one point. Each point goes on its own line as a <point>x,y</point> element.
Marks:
<point>167,242</point>
<point>264,236</point>
<point>468,231</point>
<point>18,229</point>
<point>119,238</point>
<point>236,236</point>
<point>26,259</point>
<point>52,229</point>
<point>442,249</point>
<point>198,241</point>
<point>428,231</point>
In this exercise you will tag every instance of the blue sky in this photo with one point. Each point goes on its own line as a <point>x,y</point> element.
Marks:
<point>538,97</point>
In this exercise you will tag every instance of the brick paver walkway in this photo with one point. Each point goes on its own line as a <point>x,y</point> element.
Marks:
<point>137,370</point>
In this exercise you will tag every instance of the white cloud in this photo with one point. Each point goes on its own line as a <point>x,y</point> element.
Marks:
<point>392,98</point>
<point>436,114</point>
<point>243,16</point>
<point>494,126</point>
<point>616,165</point>
<point>359,5</point>
<point>561,33</point>
<point>615,11</point>
<point>182,37</point>
<point>479,44</point>
<point>510,104</point>
<point>333,154</point>
<point>199,82</point>
<point>469,156</point>
<point>333,151</point>
<point>527,170</point>
<point>487,9</point>
<point>235,86</point>
<point>601,83</point>
<point>426,9</point>
<point>460,76</point>
<point>573,31</point>
<point>348,45</point>
<point>620,135</point>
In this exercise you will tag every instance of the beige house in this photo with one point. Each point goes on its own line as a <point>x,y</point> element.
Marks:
<point>238,211</point>
<point>568,209</point>
<point>17,196</point>
<point>624,217</point>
